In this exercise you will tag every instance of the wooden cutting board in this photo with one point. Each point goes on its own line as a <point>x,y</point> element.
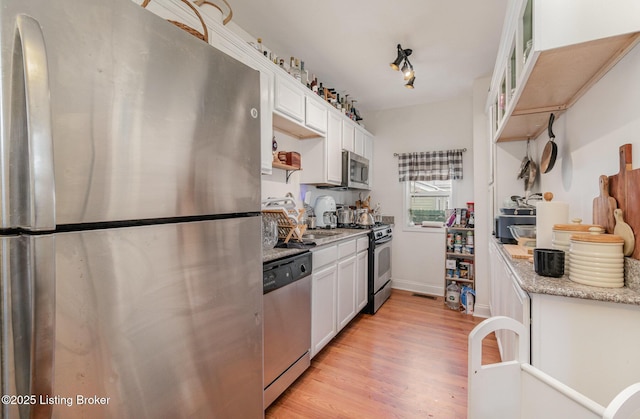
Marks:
<point>603,207</point>
<point>625,188</point>
<point>517,252</point>
<point>617,184</point>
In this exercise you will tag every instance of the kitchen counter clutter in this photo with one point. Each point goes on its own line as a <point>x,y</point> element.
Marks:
<point>531,282</point>
<point>320,239</point>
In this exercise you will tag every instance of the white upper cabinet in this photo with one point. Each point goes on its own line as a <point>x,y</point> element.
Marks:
<point>315,114</point>
<point>334,149</point>
<point>295,113</point>
<point>266,122</point>
<point>358,141</point>
<point>322,156</point>
<point>368,154</point>
<point>368,148</point>
<point>289,99</point>
<point>550,54</point>
<point>348,135</point>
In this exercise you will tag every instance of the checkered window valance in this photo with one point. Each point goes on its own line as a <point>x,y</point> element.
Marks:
<point>430,165</point>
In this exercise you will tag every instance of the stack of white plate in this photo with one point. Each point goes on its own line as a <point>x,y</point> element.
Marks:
<point>561,238</point>
<point>597,260</point>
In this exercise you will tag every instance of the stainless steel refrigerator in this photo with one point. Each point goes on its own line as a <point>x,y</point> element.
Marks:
<point>130,252</point>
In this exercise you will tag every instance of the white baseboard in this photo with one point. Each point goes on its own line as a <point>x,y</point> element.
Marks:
<point>420,288</point>
<point>481,310</point>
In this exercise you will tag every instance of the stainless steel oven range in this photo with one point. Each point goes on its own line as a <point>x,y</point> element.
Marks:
<point>379,288</point>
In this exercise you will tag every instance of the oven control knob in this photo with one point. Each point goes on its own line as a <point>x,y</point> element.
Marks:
<point>303,268</point>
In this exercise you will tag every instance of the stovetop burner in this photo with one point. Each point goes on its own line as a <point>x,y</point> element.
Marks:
<point>362,227</point>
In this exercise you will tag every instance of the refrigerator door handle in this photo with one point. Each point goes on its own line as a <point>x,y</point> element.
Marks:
<point>37,124</point>
<point>33,287</point>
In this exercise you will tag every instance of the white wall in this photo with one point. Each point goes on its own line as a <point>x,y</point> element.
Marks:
<point>483,186</point>
<point>418,253</point>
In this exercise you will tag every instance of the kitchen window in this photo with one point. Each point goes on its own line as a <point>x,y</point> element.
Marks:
<point>428,183</point>
<point>427,200</point>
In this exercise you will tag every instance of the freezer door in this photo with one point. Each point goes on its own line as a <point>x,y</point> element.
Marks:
<point>158,321</point>
<point>133,117</point>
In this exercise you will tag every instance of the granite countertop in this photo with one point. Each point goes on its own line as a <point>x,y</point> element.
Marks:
<point>342,233</point>
<point>536,284</point>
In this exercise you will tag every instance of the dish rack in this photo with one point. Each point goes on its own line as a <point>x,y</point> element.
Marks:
<point>288,223</point>
<point>516,389</point>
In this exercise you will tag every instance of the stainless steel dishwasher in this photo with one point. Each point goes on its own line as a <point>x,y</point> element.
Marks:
<point>287,322</point>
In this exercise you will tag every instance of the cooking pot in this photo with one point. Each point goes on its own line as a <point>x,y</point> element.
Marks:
<point>365,218</point>
<point>345,215</point>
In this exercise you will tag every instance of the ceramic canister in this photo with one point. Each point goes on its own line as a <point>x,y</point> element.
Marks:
<point>596,259</point>
<point>561,236</point>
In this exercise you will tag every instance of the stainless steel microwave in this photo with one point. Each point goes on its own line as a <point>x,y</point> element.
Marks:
<point>355,171</point>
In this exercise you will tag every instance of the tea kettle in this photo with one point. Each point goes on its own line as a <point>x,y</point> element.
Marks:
<point>365,218</point>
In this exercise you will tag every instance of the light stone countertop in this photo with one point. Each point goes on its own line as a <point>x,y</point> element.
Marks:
<point>344,233</point>
<point>533,283</point>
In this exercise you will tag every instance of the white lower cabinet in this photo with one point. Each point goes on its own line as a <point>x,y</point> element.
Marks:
<point>346,291</point>
<point>507,299</point>
<point>588,345</point>
<point>362,272</point>
<point>323,307</point>
<point>338,289</point>
<point>591,346</point>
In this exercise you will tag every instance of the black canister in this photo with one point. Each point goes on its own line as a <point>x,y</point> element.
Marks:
<point>548,262</point>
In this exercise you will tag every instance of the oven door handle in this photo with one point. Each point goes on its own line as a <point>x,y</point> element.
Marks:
<point>383,241</point>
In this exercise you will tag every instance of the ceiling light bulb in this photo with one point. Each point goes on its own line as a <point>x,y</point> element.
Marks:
<point>408,73</point>
<point>396,64</point>
<point>409,84</point>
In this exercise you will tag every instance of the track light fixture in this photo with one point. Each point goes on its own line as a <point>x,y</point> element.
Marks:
<point>409,84</point>
<point>407,67</point>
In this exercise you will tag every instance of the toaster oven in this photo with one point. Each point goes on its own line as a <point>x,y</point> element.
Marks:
<point>502,223</point>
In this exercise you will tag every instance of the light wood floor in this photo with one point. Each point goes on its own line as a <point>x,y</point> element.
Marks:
<point>409,360</point>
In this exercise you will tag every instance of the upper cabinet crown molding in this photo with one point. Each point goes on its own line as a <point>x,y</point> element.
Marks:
<point>563,62</point>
